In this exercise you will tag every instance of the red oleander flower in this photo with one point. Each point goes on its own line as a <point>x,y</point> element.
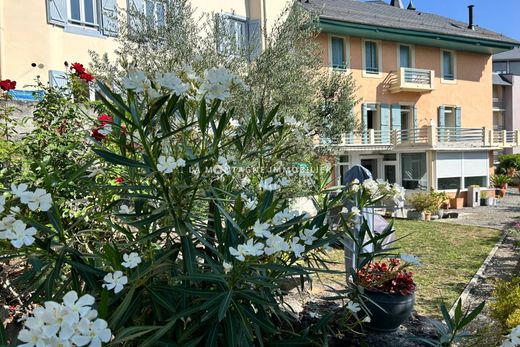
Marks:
<point>387,277</point>
<point>7,85</point>
<point>104,119</point>
<point>119,179</point>
<point>97,135</point>
<point>81,72</point>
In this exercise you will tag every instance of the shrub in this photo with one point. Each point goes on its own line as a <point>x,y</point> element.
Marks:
<point>499,180</point>
<point>508,162</point>
<point>423,201</point>
<point>506,308</point>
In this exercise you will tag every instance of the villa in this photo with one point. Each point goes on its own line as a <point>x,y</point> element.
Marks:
<point>426,88</point>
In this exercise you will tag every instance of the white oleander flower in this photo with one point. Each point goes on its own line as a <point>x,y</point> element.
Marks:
<point>39,199</point>
<point>94,171</point>
<point>284,216</point>
<point>291,121</point>
<point>166,164</point>
<point>131,260</point>
<point>222,167</point>
<point>153,94</point>
<point>227,267</point>
<point>261,229</point>
<point>284,182</point>
<point>353,307</point>
<point>275,244</point>
<point>367,319</point>
<point>95,331</point>
<point>355,211</point>
<point>20,235</point>
<point>31,337</point>
<point>125,209</point>
<point>254,249</point>
<point>268,184</point>
<point>307,235</point>
<point>115,281</point>
<point>81,306</point>
<point>513,339</point>
<point>17,191</point>
<point>217,83</point>
<point>136,81</point>
<point>245,181</point>
<point>249,203</point>
<point>371,186</point>
<point>7,222</point>
<point>410,259</point>
<point>234,123</point>
<point>181,162</point>
<point>354,181</point>
<point>172,82</point>
<point>296,247</point>
<point>239,253</point>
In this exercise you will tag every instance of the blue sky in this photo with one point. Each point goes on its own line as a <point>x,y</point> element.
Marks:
<point>497,15</point>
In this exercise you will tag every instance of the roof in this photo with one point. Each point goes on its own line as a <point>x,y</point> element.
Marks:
<point>498,80</point>
<point>513,54</point>
<point>381,14</point>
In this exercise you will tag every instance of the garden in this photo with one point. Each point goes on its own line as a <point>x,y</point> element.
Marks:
<point>163,213</point>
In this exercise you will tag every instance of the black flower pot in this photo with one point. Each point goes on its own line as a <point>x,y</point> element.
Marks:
<point>397,309</point>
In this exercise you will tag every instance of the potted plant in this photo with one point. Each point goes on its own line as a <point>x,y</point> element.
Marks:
<point>390,291</point>
<point>423,204</point>
<point>501,182</point>
<point>442,202</point>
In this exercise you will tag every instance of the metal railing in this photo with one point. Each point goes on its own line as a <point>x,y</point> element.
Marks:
<point>429,136</point>
<point>417,76</point>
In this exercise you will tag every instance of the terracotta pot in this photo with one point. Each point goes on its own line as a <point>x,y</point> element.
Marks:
<point>457,203</point>
<point>503,190</point>
<point>427,216</point>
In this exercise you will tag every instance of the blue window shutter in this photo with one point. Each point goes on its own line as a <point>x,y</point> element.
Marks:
<point>442,123</point>
<point>385,123</point>
<point>414,115</point>
<point>458,117</point>
<point>110,23</point>
<point>57,12</point>
<point>57,79</point>
<point>396,117</point>
<point>254,30</point>
<point>134,9</point>
<point>364,115</point>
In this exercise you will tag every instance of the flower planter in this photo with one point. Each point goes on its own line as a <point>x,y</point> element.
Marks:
<point>503,190</point>
<point>456,203</point>
<point>397,309</point>
<point>415,215</point>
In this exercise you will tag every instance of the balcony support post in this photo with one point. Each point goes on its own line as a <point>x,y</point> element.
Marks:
<point>488,136</point>
<point>371,136</point>
<point>504,138</point>
<point>432,135</point>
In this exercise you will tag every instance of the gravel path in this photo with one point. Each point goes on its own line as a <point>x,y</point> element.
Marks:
<point>503,264</point>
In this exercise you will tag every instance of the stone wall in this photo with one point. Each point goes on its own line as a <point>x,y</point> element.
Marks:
<point>22,116</point>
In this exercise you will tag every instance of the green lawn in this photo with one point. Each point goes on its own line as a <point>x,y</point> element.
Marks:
<point>450,256</point>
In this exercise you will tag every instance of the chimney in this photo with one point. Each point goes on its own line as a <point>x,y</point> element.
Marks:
<point>396,3</point>
<point>411,6</point>
<point>471,23</point>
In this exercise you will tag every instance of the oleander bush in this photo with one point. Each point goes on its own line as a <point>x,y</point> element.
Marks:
<point>506,307</point>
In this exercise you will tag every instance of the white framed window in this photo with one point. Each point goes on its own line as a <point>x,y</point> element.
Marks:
<point>372,58</point>
<point>405,55</point>
<point>84,12</point>
<point>339,52</point>
<point>342,166</point>
<point>155,11</point>
<point>233,34</point>
<point>459,170</point>
<point>448,66</point>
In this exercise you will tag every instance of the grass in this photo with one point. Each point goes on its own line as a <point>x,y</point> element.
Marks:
<point>450,256</point>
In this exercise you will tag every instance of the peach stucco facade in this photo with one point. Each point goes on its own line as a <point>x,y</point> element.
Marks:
<point>26,36</point>
<point>472,90</point>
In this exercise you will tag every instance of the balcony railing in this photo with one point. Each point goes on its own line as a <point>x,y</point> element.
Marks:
<point>498,104</point>
<point>431,137</point>
<point>413,80</point>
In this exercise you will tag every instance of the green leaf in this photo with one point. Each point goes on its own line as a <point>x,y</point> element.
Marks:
<point>117,318</point>
<point>203,120</point>
<point>119,160</point>
<point>470,317</point>
<point>446,316</point>
<point>129,334</point>
<point>3,335</point>
<point>154,109</point>
<point>224,305</point>
<point>458,312</point>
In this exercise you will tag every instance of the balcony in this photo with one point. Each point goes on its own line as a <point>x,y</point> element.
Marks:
<point>427,137</point>
<point>498,104</point>
<point>413,80</point>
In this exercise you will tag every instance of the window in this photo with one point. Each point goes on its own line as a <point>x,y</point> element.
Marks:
<point>155,12</point>
<point>459,170</point>
<point>83,12</point>
<point>372,58</point>
<point>475,181</point>
<point>413,166</point>
<point>338,53</point>
<point>500,67</point>
<point>233,35</point>
<point>514,67</point>
<point>405,56</point>
<point>448,65</point>
<point>448,183</point>
<point>342,167</point>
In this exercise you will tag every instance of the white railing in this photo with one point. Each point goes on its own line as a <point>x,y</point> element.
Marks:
<point>409,79</point>
<point>429,137</point>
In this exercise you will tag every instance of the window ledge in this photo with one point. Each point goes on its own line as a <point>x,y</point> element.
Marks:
<point>372,75</point>
<point>73,29</point>
<point>448,81</point>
